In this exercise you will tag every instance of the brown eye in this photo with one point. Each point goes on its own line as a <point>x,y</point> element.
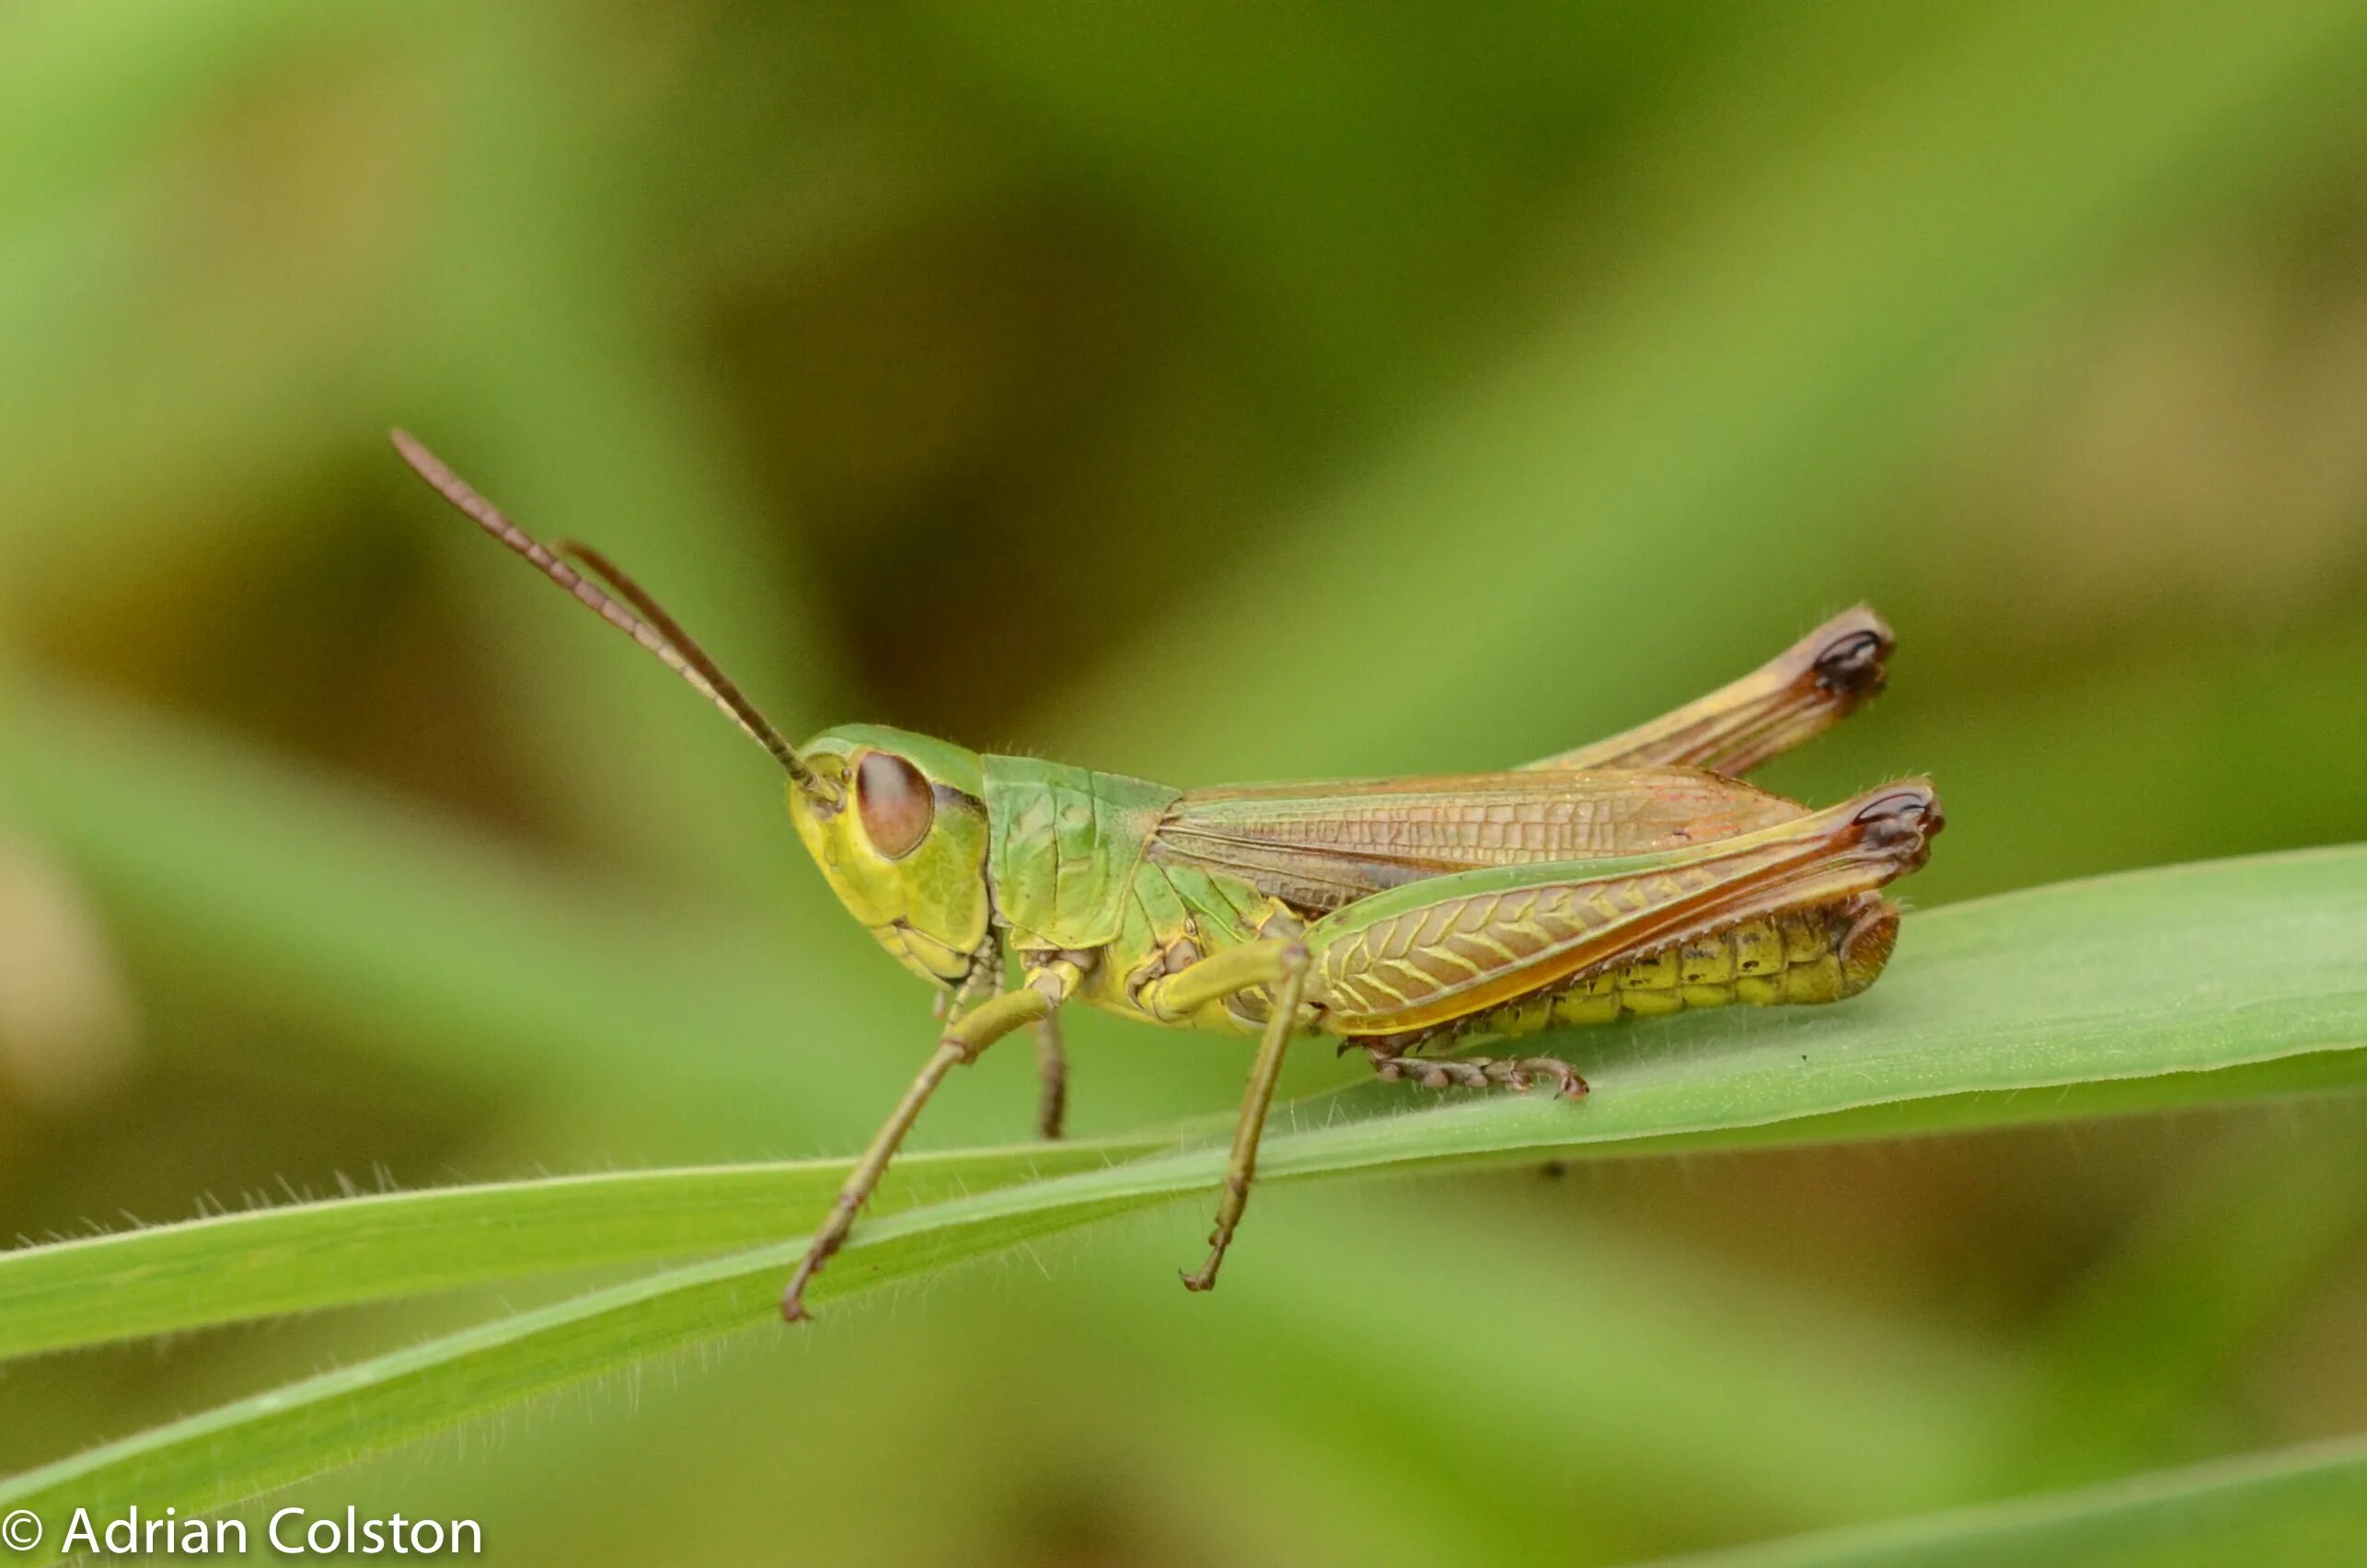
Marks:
<point>896,803</point>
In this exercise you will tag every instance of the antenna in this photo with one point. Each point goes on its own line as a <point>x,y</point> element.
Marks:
<point>652,628</point>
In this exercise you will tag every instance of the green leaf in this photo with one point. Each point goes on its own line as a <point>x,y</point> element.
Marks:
<point>2191,985</point>
<point>2294,1505</point>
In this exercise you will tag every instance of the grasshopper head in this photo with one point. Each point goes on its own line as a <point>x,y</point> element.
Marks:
<point>899,830</point>
<point>898,821</point>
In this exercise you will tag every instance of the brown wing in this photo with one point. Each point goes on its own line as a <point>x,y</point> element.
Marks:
<point>1320,846</point>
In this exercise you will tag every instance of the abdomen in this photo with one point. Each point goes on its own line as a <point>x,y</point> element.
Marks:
<point>1823,953</point>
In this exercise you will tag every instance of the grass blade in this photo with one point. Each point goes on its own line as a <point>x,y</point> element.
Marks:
<point>264,1263</point>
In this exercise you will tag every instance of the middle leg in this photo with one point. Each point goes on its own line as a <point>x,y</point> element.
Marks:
<point>1279,964</point>
<point>1052,1072</point>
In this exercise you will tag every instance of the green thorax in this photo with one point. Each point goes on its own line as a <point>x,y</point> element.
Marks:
<point>1062,846</point>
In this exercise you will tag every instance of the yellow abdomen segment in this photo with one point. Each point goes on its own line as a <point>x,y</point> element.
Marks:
<point>1819,954</point>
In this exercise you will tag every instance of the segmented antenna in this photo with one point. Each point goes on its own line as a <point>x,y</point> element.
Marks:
<point>652,628</point>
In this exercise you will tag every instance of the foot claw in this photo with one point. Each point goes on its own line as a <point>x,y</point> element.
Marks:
<point>1568,1084</point>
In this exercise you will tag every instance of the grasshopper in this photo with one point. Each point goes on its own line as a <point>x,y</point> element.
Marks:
<point>1402,917</point>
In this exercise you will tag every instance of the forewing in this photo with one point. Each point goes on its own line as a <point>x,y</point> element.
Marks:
<point>1320,846</point>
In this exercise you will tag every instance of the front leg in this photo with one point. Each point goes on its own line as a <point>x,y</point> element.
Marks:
<point>964,1040</point>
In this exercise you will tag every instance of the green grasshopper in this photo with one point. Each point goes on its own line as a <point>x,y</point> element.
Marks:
<point>1637,875</point>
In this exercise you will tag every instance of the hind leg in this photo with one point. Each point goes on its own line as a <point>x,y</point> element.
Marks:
<point>1393,1063</point>
<point>1794,696</point>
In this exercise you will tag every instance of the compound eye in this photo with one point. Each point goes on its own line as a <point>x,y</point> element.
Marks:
<point>896,803</point>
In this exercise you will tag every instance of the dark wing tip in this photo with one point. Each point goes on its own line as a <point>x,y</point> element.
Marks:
<point>1852,659</point>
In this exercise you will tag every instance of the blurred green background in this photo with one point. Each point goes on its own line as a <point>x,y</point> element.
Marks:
<point>1212,392</point>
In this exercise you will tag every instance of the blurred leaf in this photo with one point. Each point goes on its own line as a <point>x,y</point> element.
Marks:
<point>155,367</point>
<point>1692,443</point>
<point>2031,764</point>
<point>66,1024</point>
<point>1592,1369</point>
<point>2298,1506</point>
<point>85,88</point>
<point>2176,976</point>
<point>581,415</point>
<point>2141,1339</point>
<point>444,949</point>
